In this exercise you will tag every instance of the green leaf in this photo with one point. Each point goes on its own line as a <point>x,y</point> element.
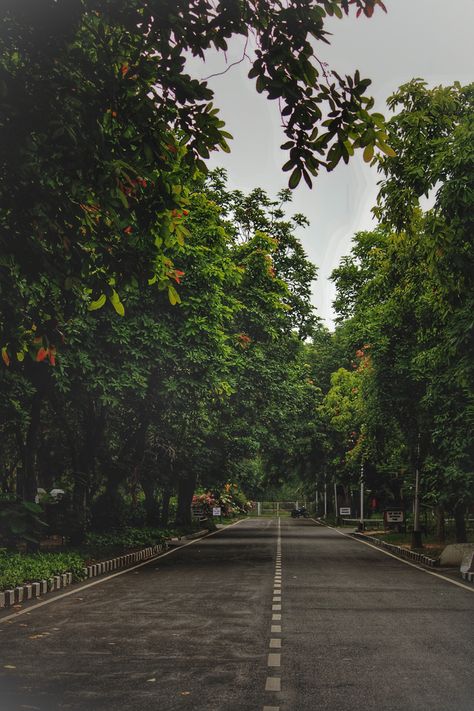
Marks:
<point>388,150</point>
<point>116,303</point>
<point>173,295</point>
<point>123,199</point>
<point>94,305</point>
<point>295,178</point>
<point>261,84</point>
<point>368,153</point>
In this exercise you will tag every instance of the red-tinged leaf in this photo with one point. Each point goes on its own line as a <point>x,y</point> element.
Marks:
<point>5,357</point>
<point>124,69</point>
<point>41,355</point>
<point>369,10</point>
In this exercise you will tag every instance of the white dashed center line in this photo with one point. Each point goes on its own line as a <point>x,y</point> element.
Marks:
<point>273,683</point>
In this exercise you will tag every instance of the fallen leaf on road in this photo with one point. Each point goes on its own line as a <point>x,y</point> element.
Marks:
<point>185,693</point>
<point>151,679</point>
<point>9,666</point>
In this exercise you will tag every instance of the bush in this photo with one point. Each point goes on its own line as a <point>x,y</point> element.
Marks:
<point>18,569</point>
<point>20,521</point>
<point>126,539</point>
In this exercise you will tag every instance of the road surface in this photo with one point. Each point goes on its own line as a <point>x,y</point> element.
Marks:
<point>266,615</point>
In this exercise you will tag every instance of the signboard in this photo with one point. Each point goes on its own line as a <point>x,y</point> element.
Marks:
<point>344,511</point>
<point>394,516</point>
<point>216,511</point>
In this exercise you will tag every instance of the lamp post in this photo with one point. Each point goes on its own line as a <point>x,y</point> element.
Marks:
<point>361,520</point>
<point>416,541</point>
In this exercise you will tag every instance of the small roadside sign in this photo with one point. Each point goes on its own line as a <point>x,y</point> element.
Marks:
<point>197,511</point>
<point>394,516</point>
<point>216,511</point>
<point>394,519</point>
<point>344,511</point>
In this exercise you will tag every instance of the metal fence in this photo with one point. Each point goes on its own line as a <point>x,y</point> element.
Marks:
<point>277,508</point>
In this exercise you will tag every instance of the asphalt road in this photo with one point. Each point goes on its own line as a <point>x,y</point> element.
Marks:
<point>262,616</point>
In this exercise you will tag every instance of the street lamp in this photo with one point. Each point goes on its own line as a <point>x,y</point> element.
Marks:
<point>361,521</point>
<point>416,541</point>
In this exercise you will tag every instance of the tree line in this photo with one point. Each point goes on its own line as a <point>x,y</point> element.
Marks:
<point>156,330</point>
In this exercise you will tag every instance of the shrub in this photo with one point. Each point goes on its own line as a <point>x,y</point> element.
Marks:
<point>18,568</point>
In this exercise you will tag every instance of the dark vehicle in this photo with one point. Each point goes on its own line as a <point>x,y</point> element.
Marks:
<point>300,513</point>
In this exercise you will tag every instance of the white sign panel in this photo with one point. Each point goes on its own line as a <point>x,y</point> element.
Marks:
<point>394,516</point>
<point>344,511</point>
<point>216,511</point>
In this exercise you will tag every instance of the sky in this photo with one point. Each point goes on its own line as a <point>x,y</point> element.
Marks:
<point>431,39</point>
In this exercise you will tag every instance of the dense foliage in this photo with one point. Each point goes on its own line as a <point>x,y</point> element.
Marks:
<point>403,399</point>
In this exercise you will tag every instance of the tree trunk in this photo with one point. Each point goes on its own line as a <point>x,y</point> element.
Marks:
<point>80,510</point>
<point>165,507</point>
<point>84,462</point>
<point>440,524</point>
<point>29,476</point>
<point>186,487</point>
<point>460,524</point>
<point>152,507</point>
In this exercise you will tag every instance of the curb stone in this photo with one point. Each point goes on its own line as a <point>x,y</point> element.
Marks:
<point>468,576</point>
<point>398,550</point>
<point>36,589</point>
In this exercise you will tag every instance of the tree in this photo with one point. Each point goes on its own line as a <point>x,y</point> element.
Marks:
<point>101,124</point>
<point>407,291</point>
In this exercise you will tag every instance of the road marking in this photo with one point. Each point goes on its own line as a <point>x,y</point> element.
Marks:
<point>273,683</point>
<point>274,660</point>
<point>392,555</point>
<point>114,575</point>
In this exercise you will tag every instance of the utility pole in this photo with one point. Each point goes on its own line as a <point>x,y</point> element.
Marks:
<point>325,497</point>
<point>361,521</point>
<point>335,501</point>
<point>416,541</point>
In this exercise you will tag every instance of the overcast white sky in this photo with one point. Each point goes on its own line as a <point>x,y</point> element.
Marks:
<point>432,39</point>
